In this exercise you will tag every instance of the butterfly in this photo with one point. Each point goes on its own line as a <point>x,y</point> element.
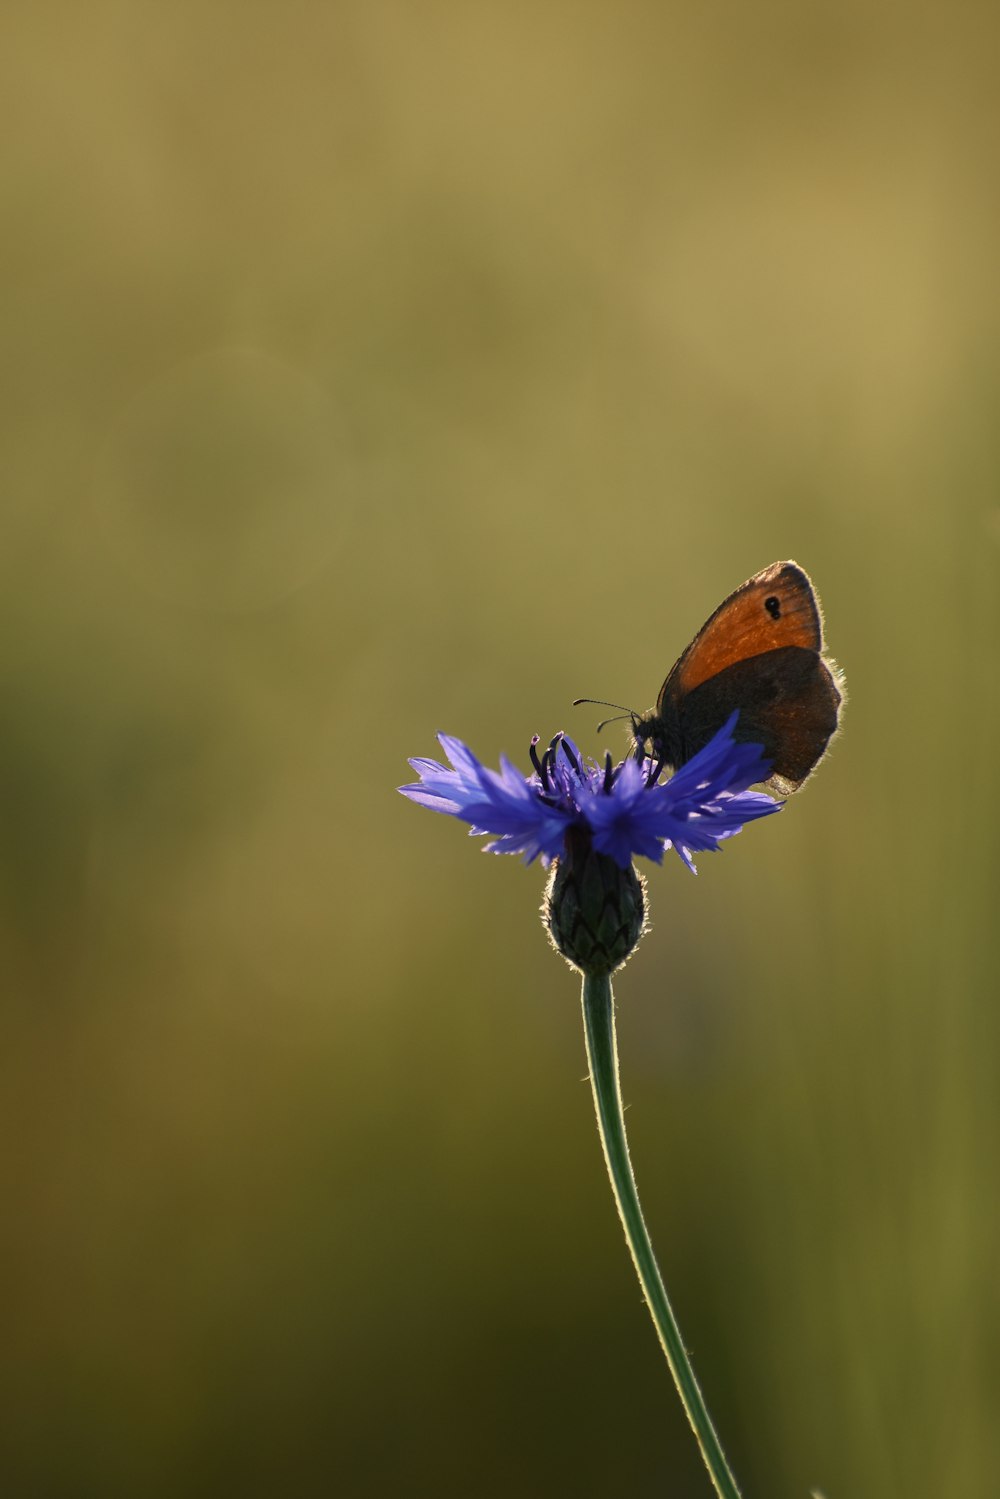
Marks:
<point>761,652</point>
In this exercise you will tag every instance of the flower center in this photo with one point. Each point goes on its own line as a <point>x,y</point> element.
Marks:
<point>560,777</point>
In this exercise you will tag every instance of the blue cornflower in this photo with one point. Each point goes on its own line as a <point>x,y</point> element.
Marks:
<point>589,821</point>
<point>624,810</point>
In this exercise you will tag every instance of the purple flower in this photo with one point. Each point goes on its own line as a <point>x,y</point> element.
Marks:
<point>625,809</point>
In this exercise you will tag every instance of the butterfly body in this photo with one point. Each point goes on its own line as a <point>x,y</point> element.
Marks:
<point>761,652</point>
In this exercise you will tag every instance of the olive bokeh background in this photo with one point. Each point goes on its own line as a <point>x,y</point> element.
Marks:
<point>371,369</point>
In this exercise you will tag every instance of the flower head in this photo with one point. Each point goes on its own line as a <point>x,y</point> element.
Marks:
<point>625,810</point>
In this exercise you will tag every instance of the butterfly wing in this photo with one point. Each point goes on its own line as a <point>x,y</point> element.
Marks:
<point>788,700</point>
<point>759,652</point>
<point>774,608</point>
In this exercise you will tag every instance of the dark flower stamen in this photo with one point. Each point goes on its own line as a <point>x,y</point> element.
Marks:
<point>540,767</point>
<point>571,757</point>
<point>656,769</point>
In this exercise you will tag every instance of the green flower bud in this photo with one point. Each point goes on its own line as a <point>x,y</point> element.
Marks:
<point>594,910</point>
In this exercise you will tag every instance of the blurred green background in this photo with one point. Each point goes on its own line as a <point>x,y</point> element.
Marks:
<point>371,369</point>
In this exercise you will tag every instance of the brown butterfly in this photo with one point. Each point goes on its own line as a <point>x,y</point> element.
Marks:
<point>761,652</point>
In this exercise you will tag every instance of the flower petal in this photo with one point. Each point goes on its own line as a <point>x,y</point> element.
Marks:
<point>704,802</point>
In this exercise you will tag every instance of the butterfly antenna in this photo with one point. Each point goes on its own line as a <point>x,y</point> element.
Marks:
<point>617,719</point>
<point>600,702</point>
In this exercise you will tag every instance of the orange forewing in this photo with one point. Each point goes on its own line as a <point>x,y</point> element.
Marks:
<point>742,626</point>
<point>760,654</point>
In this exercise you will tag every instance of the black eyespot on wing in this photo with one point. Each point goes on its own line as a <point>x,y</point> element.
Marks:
<point>773,606</point>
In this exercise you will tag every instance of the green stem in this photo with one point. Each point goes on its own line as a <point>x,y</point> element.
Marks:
<point>602,1055</point>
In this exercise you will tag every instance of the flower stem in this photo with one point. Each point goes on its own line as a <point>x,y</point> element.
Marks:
<point>602,1055</point>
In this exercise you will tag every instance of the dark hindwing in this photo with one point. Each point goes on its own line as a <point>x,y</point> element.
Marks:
<point>788,701</point>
